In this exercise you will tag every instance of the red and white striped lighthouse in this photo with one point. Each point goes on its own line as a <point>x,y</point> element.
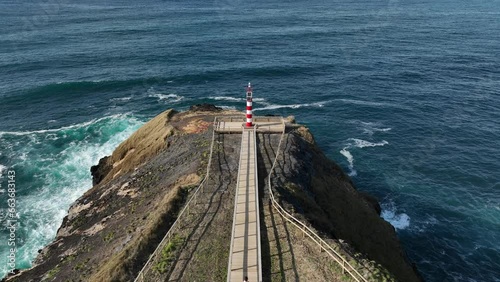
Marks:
<point>249,105</point>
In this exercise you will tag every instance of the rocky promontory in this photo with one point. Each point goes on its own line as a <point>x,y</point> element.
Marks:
<point>139,190</point>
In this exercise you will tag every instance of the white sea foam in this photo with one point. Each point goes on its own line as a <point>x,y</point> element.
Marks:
<point>350,159</point>
<point>372,104</point>
<point>2,168</point>
<point>359,143</point>
<point>371,127</point>
<point>170,97</point>
<point>51,136</point>
<point>74,126</point>
<point>375,129</point>
<point>226,98</point>
<point>269,106</point>
<point>274,107</point>
<point>234,99</point>
<point>61,177</point>
<point>399,221</point>
<point>121,99</point>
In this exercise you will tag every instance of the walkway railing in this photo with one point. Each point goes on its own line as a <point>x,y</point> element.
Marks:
<point>346,266</point>
<point>259,251</point>
<point>147,267</point>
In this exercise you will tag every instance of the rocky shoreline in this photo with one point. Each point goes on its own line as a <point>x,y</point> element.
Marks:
<point>138,191</point>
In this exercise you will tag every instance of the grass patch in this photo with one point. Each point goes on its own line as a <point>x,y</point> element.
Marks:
<point>53,272</point>
<point>81,265</point>
<point>109,237</point>
<point>168,254</point>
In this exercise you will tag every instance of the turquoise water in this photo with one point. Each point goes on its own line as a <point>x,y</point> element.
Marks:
<point>402,94</point>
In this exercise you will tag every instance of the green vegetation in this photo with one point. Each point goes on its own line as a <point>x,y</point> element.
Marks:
<point>133,206</point>
<point>202,142</point>
<point>69,258</point>
<point>81,265</point>
<point>78,221</point>
<point>168,254</point>
<point>53,272</point>
<point>109,236</point>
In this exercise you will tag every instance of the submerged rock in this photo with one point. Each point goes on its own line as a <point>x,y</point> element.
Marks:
<point>205,108</point>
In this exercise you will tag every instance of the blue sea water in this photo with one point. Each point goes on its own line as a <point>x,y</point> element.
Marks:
<point>403,94</point>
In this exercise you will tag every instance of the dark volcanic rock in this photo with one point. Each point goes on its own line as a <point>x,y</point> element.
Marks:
<point>373,201</point>
<point>100,170</point>
<point>205,108</point>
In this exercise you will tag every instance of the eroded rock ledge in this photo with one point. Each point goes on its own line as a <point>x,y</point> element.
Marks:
<point>112,229</point>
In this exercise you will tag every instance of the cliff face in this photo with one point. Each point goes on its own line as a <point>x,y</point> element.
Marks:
<point>139,190</point>
<point>317,189</point>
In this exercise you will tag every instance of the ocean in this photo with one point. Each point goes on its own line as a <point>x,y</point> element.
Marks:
<point>403,94</point>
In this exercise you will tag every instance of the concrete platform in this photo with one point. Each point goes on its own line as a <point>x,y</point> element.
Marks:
<point>237,124</point>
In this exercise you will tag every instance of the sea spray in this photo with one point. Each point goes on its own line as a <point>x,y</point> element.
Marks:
<point>400,221</point>
<point>53,171</point>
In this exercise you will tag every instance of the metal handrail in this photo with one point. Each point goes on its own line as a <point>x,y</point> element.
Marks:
<point>346,266</point>
<point>146,267</point>
<point>259,252</point>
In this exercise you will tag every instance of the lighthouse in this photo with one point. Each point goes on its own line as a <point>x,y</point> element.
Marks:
<point>249,106</point>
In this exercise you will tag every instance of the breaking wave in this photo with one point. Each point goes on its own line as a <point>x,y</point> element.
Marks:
<point>389,213</point>
<point>169,97</point>
<point>359,143</point>
<point>350,160</point>
<point>55,163</point>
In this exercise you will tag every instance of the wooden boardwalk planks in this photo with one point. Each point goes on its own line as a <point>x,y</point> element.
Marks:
<point>244,259</point>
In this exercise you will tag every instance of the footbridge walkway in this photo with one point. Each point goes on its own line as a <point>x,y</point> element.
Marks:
<point>245,253</point>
